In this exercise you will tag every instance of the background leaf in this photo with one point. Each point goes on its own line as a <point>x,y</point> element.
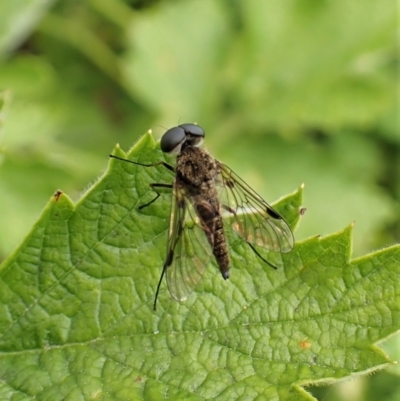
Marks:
<point>18,19</point>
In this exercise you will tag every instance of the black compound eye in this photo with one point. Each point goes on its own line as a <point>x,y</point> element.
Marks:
<point>178,138</point>
<point>194,134</point>
<point>173,139</point>
<point>193,130</point>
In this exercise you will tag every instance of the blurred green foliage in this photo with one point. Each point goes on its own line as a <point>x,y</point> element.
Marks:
<point>288,92</point>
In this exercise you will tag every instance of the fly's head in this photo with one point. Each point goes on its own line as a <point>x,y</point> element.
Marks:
<point>178,138</point>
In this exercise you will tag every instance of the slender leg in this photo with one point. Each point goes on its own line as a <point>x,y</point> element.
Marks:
<point>228,209</point>
<point>153,186</point>
<point>158,287</point>
<point>232,211</point>
<point>166,165</point>
<point>256,252</point>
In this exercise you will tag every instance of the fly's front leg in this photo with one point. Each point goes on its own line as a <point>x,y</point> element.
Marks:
<point>154,187</point>
<point>166,165</point>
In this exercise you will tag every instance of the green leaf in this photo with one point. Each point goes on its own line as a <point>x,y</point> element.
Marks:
<point>77,323</point>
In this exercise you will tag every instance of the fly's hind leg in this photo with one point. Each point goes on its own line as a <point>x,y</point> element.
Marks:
<point>258,254</point>
<point>154,187</point>
<point>231,211</point>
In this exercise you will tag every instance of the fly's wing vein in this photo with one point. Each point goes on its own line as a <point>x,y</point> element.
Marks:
<point>250,216</point>
<point>188,248</point>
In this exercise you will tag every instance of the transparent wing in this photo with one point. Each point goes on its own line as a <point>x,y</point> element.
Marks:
<point>250,216</point>
<point>188,250</point>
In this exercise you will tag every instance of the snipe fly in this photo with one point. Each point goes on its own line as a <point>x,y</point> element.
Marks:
<point>206,197</point>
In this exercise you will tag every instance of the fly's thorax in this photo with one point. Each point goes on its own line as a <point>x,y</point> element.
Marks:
<point>196,167</point>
